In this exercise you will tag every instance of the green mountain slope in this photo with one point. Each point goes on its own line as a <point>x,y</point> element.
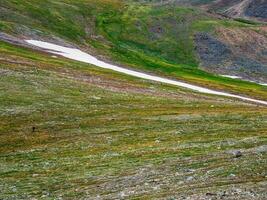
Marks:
<point>158,39</point>
<point>70,130</point>
<point>99,134</point>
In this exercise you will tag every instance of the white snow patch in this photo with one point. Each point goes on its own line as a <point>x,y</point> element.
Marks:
<point>234,77</point>
<point>238,77</point>
<point>78,55</point>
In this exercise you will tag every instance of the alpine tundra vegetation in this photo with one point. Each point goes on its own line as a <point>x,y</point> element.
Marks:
<point>74,129</point>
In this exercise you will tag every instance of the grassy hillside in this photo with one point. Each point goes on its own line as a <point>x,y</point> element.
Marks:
<point>158,39</point>
<point>100,134</point>
<point>69,130</point>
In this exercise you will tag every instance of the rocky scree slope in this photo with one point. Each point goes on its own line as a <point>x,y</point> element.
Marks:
<point>246,9</point>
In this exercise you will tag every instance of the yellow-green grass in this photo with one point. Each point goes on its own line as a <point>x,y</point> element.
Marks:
<point>102,133</point>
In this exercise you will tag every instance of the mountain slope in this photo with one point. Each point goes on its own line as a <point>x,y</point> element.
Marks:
<point>71,130</point>
<point>248,9</point>
<point>103,135</point>
<point>157,39</point>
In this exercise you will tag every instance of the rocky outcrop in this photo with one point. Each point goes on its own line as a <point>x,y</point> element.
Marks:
<point>247,9</point>
<point>258,9</point>
<point>225,54</point>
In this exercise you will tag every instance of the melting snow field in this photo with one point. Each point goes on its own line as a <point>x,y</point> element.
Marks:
<point>238,77</point>
<point>78,55</point>
<point>233,77</point>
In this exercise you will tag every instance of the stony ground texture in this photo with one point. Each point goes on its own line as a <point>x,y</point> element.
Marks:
<point>72,131</point>
<point>69,130</point>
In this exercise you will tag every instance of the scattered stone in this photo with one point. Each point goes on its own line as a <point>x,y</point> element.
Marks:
<point>210,194</point>
<point>223,194</point>
<point>96,98</point>
<point>262,149</point>
<point>156,188</point>
<point>237,190</point>
<point>190,170</point>
<point>180,182</point>
<point>190,178</point>
<point>237,153</point>
<point>122,194</point>
<point>45,194</point>
<point>232,175</point>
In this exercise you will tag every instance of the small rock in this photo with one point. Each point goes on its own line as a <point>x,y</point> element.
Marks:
<point>156,188</point>
<point>190,170</point>
<point>237,153</point>
<point>96,98</point>
<point>122,194</point>
<point>232,175</point>
<point>223,194</point>
<point>262,149</point>
<point>210,194</point>
<point>190,178</point>
<point>45,194</point>
<point>237,190</point>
